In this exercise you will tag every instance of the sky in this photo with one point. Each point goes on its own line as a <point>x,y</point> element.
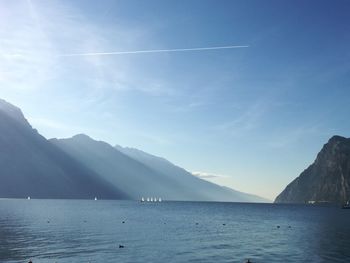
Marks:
<point>251,118</point>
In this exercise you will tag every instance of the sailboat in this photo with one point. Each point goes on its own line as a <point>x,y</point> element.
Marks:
<point>95,198</point>
<point>151,199</point>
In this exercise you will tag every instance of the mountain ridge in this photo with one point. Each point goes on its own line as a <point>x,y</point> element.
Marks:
<point>163,165</point>
<point>81,167</point>
<point>32,166</point>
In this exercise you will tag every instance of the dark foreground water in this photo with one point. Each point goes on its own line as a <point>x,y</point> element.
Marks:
<point>65,231</point>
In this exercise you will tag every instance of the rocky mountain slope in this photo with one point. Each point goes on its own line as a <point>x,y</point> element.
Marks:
<point>326,180</point>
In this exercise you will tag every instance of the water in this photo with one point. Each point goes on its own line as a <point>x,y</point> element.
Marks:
<point>65,231</point>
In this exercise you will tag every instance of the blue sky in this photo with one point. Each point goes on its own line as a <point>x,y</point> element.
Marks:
<point>253,118</point>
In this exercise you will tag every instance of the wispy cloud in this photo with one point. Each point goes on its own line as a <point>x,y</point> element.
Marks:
<point>155,139</point>
<point>294,135</point>
<point>246,121</point>
<point>188,107</point>
<point>41,43</point>
<point>25,56</point>
<point>205,175</point>
<point>34,33</point>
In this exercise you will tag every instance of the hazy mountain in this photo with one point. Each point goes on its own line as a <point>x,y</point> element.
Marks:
<point>187,180</point>
<point>133,177</point>
<point>155,177</point>
<point>327,179</point>
<point>32,166</point>
<point>81,167</point>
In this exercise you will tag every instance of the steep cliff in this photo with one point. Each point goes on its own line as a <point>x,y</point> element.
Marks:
<point>326,180</point>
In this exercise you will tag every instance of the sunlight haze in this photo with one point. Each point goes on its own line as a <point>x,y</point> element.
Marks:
<point>240,93</point>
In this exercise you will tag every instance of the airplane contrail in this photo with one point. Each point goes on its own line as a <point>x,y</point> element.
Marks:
<point>149,51</point>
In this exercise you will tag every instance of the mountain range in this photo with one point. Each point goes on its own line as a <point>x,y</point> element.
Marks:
<point>141,174</point>
<point>81,167</point>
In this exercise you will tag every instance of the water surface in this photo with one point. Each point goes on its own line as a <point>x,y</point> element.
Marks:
<point>65,231</point>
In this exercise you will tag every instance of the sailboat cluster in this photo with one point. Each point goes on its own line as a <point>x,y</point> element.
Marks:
<point>151,199</point>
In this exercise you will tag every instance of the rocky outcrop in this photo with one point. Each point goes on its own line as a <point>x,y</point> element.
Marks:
<point>326,180</point>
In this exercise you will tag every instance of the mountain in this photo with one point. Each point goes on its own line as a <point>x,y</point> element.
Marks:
<point>32,166</point>
<point>187,180</point>
<point>120,170</point>
<point>327,179</point>
<point>140,174</point>
<point>82,168</point>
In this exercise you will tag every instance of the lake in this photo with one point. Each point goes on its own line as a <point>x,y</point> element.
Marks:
<point>65,231</point>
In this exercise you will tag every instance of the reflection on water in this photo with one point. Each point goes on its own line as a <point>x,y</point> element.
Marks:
<point>89,231</point>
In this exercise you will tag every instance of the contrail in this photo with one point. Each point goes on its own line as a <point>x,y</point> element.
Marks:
<point>149,51</point>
